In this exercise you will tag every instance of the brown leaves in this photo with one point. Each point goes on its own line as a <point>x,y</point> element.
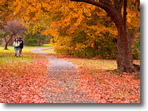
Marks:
<point>21,83</point>
<point>107,86</point>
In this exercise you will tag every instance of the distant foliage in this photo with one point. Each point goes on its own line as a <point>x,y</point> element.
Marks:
<point>31,41</point>
<point>34,40</point>
<point>78,47</point>
<point>0,41</point>
<point>33,36</point>
<point>136,50</point>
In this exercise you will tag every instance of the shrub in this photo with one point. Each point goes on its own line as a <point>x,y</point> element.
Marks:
<point>136,50</point>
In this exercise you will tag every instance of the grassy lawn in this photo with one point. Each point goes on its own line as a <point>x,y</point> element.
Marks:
<point>25,49</point>
<point>49,51</point>
<point>96,64</point>
<point>7,56</point>
<point>47,45</point>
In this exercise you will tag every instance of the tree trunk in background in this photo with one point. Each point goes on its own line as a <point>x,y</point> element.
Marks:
<point>7,42</point>
<point>40,40</point>
<point>6,45</point>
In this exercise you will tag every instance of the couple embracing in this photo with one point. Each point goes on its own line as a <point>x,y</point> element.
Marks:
<point>18,45</point>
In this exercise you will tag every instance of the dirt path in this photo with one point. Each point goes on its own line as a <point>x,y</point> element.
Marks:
<point>62,86</point>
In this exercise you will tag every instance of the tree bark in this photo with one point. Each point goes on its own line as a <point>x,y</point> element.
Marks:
<point>124,59</point>
<point>7,42</point>
<point>6,45</point>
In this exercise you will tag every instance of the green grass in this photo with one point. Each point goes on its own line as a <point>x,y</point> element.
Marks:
<point>7,56</point>
<point>25,49</point>
<point>11,59</point>
<point>49,51</point>
<point>47,45</point>
<point>94,65</point>
<point>97,64</point>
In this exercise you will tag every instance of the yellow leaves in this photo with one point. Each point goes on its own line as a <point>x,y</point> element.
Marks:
<point>51,32</point>
<point>79,20</point>
<point>5,10</point>
<point>45,32</point>
<point>17,9</point>
<point>133,18</point>
<point>130,15</point>
<point>26,18</point>
<point>32,9</point>
<point>1,1</point>
<point>79,46</point>
<point>53,24</point>
<point>33,27</point>
<point>16,2</point>
<point>101,13</point>
<point>37,15</point>
<point>67,38</point>
<point>92,44</point>
<point>87,9</point>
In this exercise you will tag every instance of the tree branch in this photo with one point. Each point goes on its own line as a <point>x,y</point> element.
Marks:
<point>118,4</point>
<point>125,13</point>
<point>108,7</point>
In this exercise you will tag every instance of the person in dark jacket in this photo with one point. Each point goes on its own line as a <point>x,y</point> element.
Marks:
<point>21,44</point>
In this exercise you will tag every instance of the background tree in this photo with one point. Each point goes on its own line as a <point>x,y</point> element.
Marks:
<point>11,29</point>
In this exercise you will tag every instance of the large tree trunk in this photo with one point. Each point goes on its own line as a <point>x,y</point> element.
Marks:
<point>124,59</point>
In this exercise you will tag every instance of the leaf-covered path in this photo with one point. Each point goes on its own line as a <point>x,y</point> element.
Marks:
<point>62,86</point>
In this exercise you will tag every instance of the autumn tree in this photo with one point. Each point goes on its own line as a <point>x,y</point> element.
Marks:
<point>114,9</point>
<point>11,29</point>
<point>6,15</point>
